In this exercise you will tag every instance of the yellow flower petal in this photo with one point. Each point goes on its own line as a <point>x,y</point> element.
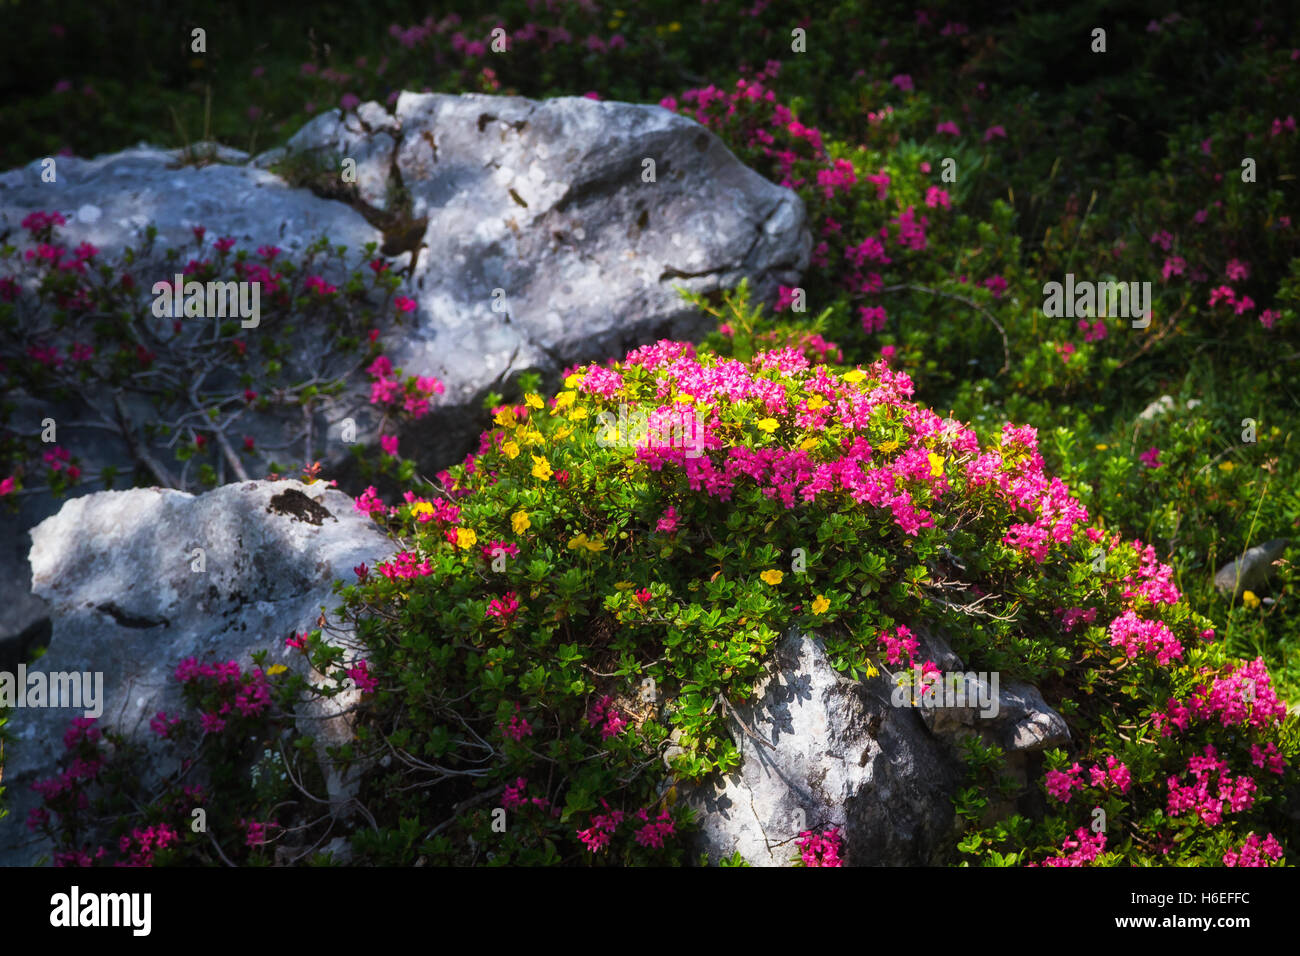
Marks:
<point>574,380</point>
<point>1248,598</point>
<point>772,577</point>
<point>578,541</point>
<point>519,522</point>
<point>564,399</point>
<point>275,669</point>
<point>815,403</point>
<point>511,450</point>
<point>594,544</point>
<point>936,465</point>
<point>541,468</point>
<point>578,414</point>
<point>808,444</point>
<point>1225,466</point>
<point>855,376</point>
<point>1102,447</point>
<point>505,418</point>
<point>466,538</point>
<point>820,604</point>
<point>533,401</point>
<point>422,508</point>
<point>683,399</point>
<point>768,425</point>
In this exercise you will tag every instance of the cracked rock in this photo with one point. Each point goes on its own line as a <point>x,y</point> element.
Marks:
<point>824,750</point>
<point>117,570</point>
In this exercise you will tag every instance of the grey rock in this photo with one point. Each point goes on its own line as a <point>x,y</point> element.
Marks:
<point>819,749</point>
<point>116,570</point>
<point>544,201</point>
<point>1252,570</point>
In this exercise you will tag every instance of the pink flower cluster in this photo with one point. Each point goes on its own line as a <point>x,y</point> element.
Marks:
<point>1137,635</point>
<point>1209,798</point>
<point>361,676</point>
<point>414,396</point>
<point>404,565</point>
<point>1083,848</point>
<point>140,845</point>
<point>651,833</point>
<point>1157,579</point>
<point>518,728</point>
<point>1070,619</point>
<point>1061,784</point>
<point>1242,698</point>
<point>820,849</point>
<point>504,607</point>
<point>1253,852</point>
<point>515,797</point>
<point>605,715</point>
<point>601,381</point>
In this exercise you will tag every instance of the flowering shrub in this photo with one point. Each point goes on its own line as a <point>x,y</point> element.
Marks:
<point>84,334</point>
<point>564,614</point>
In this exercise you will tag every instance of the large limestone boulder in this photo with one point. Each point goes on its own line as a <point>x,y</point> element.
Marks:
<point>822,750</point>
<point>536,235</point>
<point>117,569</point>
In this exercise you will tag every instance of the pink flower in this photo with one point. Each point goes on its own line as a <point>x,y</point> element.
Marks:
<point>873,317</point>
<point>388,443</point>
<point>934,196</point>
<point>211,723</point>
<point>1151,457</point>
<point>997,285</point>
<point>948,127</point>
<point>994,131</point>
<point>401,302</point>
<point>360,674</point>
<point>904,82</point>
<point>668,523</point>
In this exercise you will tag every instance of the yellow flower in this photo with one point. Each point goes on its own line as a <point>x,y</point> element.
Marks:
<point>532,437</point>
<point>772,577</point>
<point>574,380</point>
<point>936,465</point>
<point>887,447</point>
<point>578,414</point>
<point>674,27</point>
<point>815,403</point>
<point>563,433</point>
<point>623,585</point>
<point>422,508</point>
<point>564,400</point>
<point>820,604</point>
<point>519,522</point>
<point>466,538</point>
<point>541,468</point>
<point>808,444</point>
<point>683,399</point>
<point>1102,447</point>
<point>768,425</point>
<point>1225,466</point>
<point>855,376</point>
<point>505,418</point>
<point>582,541</point>
<point>533,401</point>
<point>1248,598</point>
<point>275,669</point>
<point>511,450</point>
